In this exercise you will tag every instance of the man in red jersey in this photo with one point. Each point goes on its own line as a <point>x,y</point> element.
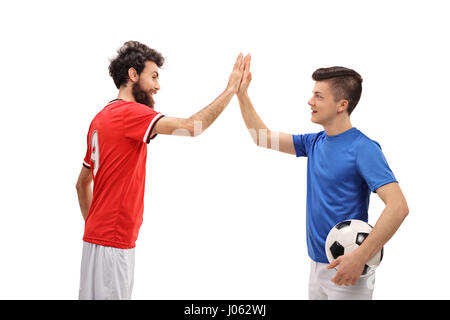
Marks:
<point>115,161</point>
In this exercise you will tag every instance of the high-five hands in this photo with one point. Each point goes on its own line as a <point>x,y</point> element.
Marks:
<point>246,76</point>
<point>240,77</point>
<point>236,75</point>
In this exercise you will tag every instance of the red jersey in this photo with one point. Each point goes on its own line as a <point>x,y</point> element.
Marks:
<point>116,155</point>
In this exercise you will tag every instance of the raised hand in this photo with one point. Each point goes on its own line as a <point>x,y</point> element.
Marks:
<point>236,75</point>
<point>246,77</point>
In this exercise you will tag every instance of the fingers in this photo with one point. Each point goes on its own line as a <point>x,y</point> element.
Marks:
<point>243,64</point>
<point>343,279</point>
<point>247,60</point>
<point>338,279</point>
<point>334,263</point>
<point>236,75</point>
<point>239,62</point>
<point>344,282</point>
<point>241,74</point>
<point>247,77</point>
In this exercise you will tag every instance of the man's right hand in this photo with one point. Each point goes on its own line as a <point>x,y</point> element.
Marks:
<point>201,120</point>
<point>261,135</point>
<point>236,75</point>
<point>246,77</point>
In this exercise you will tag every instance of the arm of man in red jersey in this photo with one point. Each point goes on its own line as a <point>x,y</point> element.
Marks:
<point>200,121</point>
<point>84,190</point>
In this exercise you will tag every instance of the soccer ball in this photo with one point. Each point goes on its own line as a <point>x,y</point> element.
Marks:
<point>345,237</point>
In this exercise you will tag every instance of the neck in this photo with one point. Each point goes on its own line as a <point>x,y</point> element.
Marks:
<point>126,94</point>
<point>338,127</point>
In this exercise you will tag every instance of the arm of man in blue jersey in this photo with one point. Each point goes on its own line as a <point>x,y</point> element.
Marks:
<point>200,121</point>
<point>351,265</point>
<point>261,134</point>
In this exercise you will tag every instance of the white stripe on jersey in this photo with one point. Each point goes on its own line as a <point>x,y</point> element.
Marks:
<point>159,115</point>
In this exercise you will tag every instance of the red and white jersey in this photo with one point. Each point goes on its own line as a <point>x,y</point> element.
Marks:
<point>116,155</point>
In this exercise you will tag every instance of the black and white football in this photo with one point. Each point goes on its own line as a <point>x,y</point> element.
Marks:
<point>345,237</point>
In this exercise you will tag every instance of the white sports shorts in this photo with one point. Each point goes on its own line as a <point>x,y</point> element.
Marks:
<point>322,288</point>
<point>107,273</point>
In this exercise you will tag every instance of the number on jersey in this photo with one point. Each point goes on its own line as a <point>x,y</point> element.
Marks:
<point>95,153</point>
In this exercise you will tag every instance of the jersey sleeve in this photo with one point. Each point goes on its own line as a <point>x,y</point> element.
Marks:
<point>302,143</point>
<point>372,165</point>
<point>87,157</point>
<point>139,121</point>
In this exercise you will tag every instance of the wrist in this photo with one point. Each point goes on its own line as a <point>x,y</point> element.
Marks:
<point>229,91</point>
<point>242,95</point>
<point>361,254</point>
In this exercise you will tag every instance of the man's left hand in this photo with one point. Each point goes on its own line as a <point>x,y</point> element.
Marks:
<point>351,266</point>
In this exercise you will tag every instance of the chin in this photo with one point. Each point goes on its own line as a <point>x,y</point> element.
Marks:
<point>314,121</point>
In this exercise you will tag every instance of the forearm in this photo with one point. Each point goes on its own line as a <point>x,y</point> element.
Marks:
<point>257,128</point>
<point>205,117</point>
<point>390,220</point>
<point>84,199</point>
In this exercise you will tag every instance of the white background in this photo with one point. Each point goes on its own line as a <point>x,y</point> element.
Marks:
<point>223,218</point>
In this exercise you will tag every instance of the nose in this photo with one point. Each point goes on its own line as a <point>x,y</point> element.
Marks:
<point>310,102</point>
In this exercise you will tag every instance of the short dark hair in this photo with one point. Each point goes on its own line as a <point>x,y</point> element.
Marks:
<point>345,84</point>
<point>132,54</point>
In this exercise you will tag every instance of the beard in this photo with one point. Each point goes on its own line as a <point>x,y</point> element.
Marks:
<point>142,96</point>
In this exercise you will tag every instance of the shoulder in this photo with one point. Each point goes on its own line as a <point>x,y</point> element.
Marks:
<point>95,120</point>
<point>303,143</point>
<point>132,108</point>
<point>311,136</point>
<point>363,143</point>
<point>367,150</point>
<point>314,138</point>
<point>308,139</point>
<point>320,135</point>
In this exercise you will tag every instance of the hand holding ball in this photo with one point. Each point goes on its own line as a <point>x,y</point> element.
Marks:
<point>345,237</point>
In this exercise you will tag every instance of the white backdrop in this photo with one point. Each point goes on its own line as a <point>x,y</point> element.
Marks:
<point>223,218</point>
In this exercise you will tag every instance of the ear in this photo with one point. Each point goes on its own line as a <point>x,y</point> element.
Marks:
<point>342,105</point>
<point>133,75</point>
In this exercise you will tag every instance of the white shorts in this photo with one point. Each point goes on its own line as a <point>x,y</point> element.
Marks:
<point>322,288</point>
<point>106,273</point>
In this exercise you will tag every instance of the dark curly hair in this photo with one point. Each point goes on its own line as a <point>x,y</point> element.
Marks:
<point>132,54</point>
<point>345,84</point>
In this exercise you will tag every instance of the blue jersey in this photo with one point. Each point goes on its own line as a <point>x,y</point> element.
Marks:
<point>342,171</point>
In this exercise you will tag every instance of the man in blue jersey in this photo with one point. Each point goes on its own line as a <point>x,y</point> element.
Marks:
<point>344,167</point>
